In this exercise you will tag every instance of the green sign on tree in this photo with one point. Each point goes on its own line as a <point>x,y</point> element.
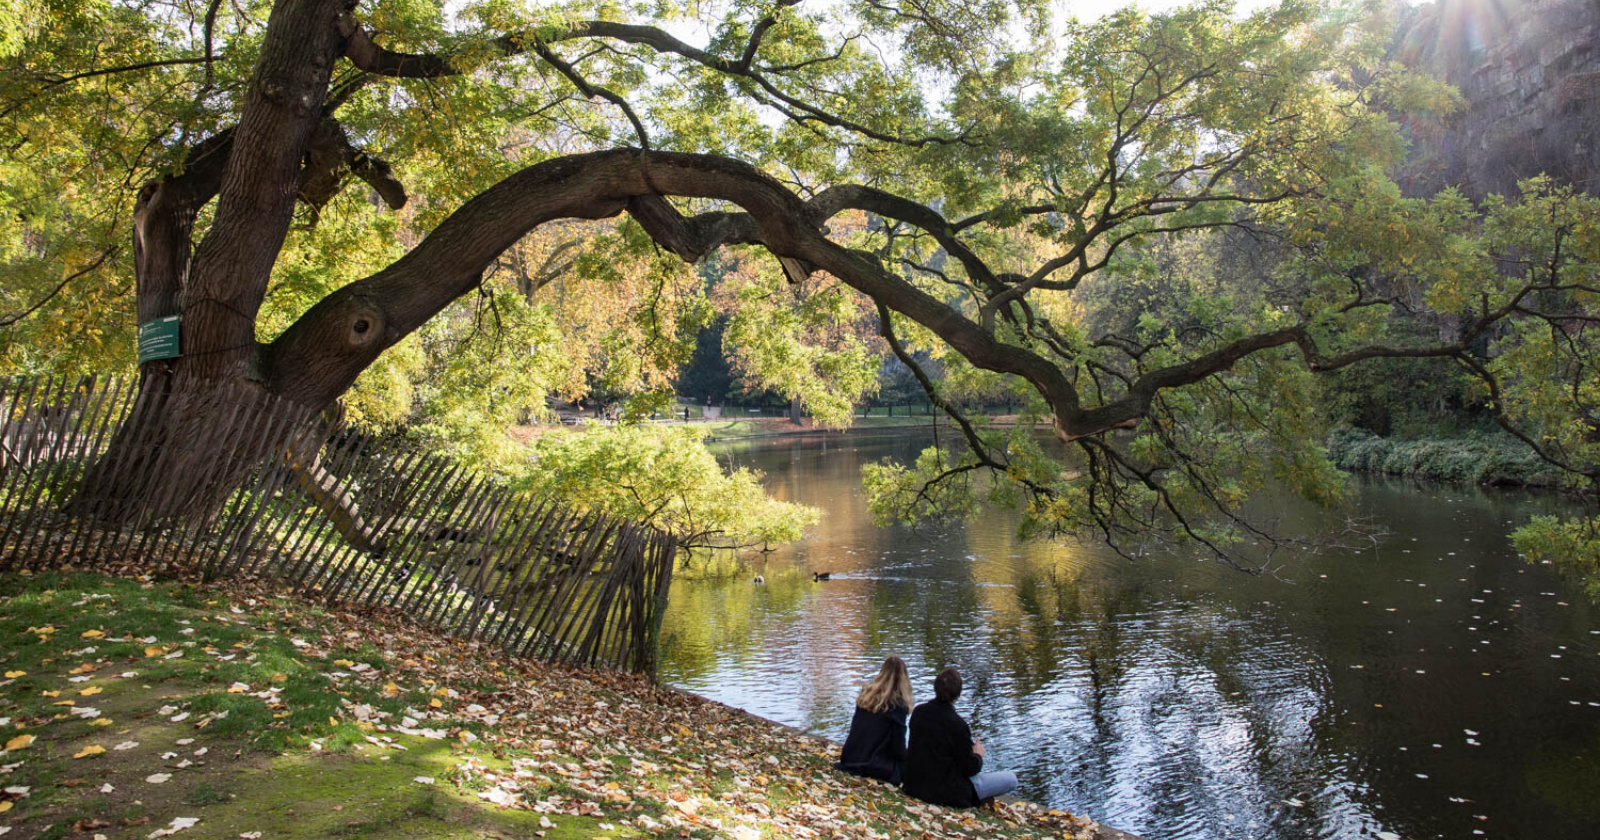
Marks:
<point>158,339</point>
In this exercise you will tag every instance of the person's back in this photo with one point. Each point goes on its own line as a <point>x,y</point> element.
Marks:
<point>940,761</point>
<point>944,763</point>
<point>876,746</point>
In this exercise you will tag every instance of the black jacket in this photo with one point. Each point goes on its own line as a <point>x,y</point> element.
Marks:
<point>940,761</point>
<point>876,747</point>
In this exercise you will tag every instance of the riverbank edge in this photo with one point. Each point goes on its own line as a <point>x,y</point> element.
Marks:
<point>682,732</point>
<point>1469,459</point>
<point>1482,460</point>
<point>1102,832</point>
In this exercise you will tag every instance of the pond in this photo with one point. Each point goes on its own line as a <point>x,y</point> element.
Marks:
<point>1435,686</point>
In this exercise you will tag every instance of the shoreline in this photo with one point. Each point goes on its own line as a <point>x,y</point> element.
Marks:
<point>1523,472</point>
<point>1102,831</point>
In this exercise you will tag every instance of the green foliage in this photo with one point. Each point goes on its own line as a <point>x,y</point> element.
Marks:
<point>800,343</point>
<point>663,475</point>
<point>1470,458</point>
<point>1573,544</point>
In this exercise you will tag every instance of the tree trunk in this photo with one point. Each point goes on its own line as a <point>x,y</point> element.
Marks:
<point>182,452</point>
<point>202,421</point>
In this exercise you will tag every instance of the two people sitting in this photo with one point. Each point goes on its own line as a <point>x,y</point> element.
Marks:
<point>943,763</point>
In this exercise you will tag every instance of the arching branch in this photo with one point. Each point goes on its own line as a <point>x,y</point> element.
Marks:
<point>347,329</point>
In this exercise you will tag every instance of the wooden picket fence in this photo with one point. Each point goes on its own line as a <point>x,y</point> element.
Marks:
<point>335,515</point>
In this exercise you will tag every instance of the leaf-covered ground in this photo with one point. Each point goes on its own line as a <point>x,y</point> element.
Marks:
<point>132,708</point>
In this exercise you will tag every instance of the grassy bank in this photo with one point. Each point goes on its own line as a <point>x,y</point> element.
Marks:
<point>1470,458</point>
<point>131,706</point>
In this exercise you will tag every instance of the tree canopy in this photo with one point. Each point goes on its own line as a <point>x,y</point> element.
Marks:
<point>1160,228</point>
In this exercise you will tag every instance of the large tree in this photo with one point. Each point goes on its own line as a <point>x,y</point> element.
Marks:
<point>1005,164</point>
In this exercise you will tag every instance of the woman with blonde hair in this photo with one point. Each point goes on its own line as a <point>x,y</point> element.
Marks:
<point>876,747</point>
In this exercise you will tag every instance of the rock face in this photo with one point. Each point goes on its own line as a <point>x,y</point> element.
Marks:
<point>1530,73</point>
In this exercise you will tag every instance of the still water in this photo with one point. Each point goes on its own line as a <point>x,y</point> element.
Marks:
<point>1436,686</point>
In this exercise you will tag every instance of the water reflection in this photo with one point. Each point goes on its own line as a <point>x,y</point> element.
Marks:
<point>1434,687</point>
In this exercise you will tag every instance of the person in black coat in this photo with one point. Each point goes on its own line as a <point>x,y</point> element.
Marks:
<point>944,764</point>
<point>876,747</point>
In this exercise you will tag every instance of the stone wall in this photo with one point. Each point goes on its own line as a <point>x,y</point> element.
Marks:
<point>1530,73</point>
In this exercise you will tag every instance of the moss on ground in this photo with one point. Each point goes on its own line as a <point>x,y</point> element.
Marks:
<point>128,704</point>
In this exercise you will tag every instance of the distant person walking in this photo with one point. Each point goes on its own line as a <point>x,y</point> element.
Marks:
<point>876,747</point>
<point>944,764</point>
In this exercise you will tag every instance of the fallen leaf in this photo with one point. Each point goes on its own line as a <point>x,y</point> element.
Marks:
<point>11,675</point>
<point>92,634</point>
<point>158,778</point>
<point>92,749</point>
<point>152,651</point>
<point>178,824</point>
<point>19,742</point>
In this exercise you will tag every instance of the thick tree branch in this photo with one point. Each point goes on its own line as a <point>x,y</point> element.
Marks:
<point>371,314</point>
<point>163,223</point>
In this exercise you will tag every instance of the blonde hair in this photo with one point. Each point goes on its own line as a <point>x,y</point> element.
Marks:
<point>891,687</point>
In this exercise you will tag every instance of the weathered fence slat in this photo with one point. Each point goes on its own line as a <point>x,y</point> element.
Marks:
<point>269,489</point>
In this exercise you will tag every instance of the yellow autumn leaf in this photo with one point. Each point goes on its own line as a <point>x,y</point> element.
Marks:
<point>11,675</point>
<point>90,691</point>
<point>64,703</point>
<point>43,631</point>
<point>100,722</point>
<point>435,703</point>
<point>390,689</point>
<point>152,651</point>
<point>19,742</point>
<point>92,634</point>
<point>344,662</point>
<point>4,807</point>
<point>93,749</point>
<point>280,677</point>
<point>51,693</point>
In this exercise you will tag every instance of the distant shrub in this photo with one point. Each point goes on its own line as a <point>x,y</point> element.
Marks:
<point>1474,458</point>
